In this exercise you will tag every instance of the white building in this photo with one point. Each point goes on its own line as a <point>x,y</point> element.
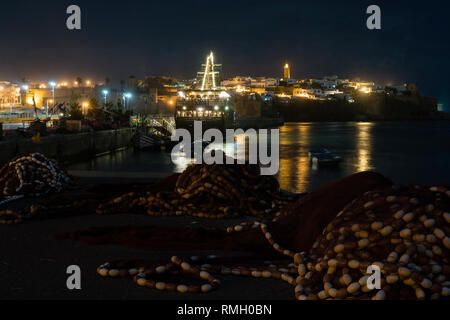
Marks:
<point>236,81</point>
<point>9,95</point>
<point>263,82</point>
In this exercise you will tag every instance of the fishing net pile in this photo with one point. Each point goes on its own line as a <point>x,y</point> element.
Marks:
<point>403,230</point>
<point>31,174</point>
<point>208,191</point>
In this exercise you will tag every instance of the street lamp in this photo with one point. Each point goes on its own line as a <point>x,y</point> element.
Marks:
<point>126,96</point>
<point>53,85</point>
<point>105,93</point>
<point>23,98</point>
<point>85,106</point>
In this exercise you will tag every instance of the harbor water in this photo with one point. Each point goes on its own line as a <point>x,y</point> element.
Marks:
<point>405,152</point>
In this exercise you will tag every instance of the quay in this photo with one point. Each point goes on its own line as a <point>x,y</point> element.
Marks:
<point>69,147</point>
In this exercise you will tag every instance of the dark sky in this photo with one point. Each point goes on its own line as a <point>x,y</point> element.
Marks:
<point>122,38</point>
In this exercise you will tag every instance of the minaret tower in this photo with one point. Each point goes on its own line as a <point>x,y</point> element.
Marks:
<point>287,71</point>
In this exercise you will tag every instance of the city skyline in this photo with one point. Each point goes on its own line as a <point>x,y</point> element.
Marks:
<point>146,38</point>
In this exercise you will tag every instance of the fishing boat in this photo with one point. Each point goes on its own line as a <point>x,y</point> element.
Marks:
<point>206,102</point>
<point>323,157</point>
<point>213,108</point>
<point>316,152</point>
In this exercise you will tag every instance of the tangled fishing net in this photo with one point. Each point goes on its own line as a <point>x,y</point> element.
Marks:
<point>31,174</point>
<point>209,191</point>
<point>402,230</point>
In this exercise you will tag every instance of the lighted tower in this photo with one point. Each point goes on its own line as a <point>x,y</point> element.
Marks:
<point>210,74</point>
<point>287,71</point>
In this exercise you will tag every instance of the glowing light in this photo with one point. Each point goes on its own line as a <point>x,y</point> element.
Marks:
<point>213,74</point>
<point>209,70</point>
<point>181,94</point>
<point>127,95</point>
<point>25,87</point>
<point>216,108</point>
<point>184,108</point>
<point>226,108</point>
<point>240,89</point>
<point>366,90</point>
<point>105,92</point>
<point>170,102</point>
<point>200,109</point>
<point>52,84</point>
<point>224,95</point>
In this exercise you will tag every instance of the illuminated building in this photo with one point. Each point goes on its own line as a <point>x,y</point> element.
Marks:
<point>9,95</point>
<point>263,82</point>
<point>287,71</point>
<point>236,81</point>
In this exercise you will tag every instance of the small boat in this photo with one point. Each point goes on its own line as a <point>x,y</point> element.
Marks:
<point>316,152</point>
<point>326,159</point>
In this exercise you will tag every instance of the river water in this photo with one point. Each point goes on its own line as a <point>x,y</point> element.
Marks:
<point>405,152</point>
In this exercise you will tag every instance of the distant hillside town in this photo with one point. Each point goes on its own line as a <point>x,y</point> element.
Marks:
<point>158,94</point>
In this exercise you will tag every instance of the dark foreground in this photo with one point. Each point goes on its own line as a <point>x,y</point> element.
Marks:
<point>33,264</point>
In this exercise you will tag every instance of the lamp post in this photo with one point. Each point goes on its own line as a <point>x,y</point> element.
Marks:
<point>85,107</point>
<point>25,88</point>
<point>105,93</point>
<point>126,96</point>
<point>53,85</point>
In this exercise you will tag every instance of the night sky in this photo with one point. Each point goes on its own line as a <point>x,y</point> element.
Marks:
<point>123,38</point>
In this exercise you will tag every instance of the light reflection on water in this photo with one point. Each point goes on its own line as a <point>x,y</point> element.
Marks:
<point>352,141</point>
<point>404,152</point>
<point>364,145</point>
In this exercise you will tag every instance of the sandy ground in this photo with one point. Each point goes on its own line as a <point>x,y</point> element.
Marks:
<point>33,264</point>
